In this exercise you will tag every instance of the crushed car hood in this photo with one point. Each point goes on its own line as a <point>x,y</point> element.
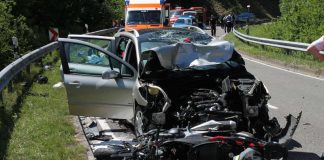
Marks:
<point>184,55</point>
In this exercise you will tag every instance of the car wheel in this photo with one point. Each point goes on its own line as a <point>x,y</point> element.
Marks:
<point>106,153</point>
<point>140,121</point>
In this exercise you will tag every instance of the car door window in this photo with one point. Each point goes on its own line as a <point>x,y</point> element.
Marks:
<point>121,47</point>
<point>131,57</point>
<point>103,43</point>
<point>84,59</point>
<point>189,22</point>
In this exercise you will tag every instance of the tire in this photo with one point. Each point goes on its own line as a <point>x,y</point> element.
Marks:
<point>140,121</point>
<point>105,153</point>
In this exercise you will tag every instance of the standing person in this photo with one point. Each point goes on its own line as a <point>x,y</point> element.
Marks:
<point>221,21</point>
<point>229,23</point>
<point>315,48</point>
<point>224,23</point>
<point>212,23</point>
<point>122,23</point>
<point>233,20</point>
<point>113,23</point>
<point>117,23</point>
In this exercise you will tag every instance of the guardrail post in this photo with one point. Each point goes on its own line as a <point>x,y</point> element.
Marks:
<point>262,46</point>
<point>86,28</point>
<point>28,69</point>
<point>41,62</point>
<point>287,51</point>
<point>1,99</point>
<point>247,27</point>
<point>10,87</point>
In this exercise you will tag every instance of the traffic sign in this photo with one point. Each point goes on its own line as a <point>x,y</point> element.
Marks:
<point>53,34</point>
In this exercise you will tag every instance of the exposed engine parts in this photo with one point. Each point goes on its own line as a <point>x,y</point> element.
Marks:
<point>238,100</point>
<point>229,115</point>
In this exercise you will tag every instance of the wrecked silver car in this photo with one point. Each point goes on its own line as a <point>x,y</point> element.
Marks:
<point>204,96</point>
<point>191,97</point>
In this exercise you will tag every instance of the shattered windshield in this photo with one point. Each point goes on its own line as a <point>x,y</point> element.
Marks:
<point>159,38</point>
<point>144,17</point>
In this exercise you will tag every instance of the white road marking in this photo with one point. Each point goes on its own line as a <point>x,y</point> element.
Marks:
<point>272,107</point>
<point>308,76</point>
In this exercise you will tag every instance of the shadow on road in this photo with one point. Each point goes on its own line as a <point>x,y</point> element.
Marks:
<point>293,144</point>
<point>292,155</point>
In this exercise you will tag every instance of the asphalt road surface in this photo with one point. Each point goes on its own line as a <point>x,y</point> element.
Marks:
<point>292,93</point>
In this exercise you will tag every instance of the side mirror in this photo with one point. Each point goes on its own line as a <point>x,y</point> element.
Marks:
<point>110,74</point>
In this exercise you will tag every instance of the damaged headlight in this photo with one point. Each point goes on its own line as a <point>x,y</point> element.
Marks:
<point>153,91</point>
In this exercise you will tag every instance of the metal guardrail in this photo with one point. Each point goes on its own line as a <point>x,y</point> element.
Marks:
<point>298,46</point>
<point>15,67</point>
<point>10,71</point>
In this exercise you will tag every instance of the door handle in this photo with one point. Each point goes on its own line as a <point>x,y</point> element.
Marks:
<point>75,83</point>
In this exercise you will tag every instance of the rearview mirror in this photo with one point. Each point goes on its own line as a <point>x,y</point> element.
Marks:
<point>110,74</point>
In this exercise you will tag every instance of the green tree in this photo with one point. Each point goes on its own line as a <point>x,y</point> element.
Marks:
<point>69,16</point>
<point>6,33</point>
<point>11,26</point>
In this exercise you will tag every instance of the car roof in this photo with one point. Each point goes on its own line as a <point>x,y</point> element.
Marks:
<point>185,17</point>
<point>144,31</point>
<point>190,12</point>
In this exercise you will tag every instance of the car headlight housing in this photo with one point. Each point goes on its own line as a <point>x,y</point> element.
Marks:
<point>153,91</point>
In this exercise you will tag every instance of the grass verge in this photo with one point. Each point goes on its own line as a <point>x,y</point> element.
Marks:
<point>295,59</point>
<point>35,123</point>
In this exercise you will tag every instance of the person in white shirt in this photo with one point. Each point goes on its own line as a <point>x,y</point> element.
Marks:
<point>229,23</point>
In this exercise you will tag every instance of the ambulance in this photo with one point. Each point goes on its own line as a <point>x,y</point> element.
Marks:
<point>143,14</point>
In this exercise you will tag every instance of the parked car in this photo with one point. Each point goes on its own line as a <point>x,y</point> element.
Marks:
<point>185,21</point>
<point>175,14</point>
<point>199,18</point>
<point>190,13</point>
<point>244,16</point>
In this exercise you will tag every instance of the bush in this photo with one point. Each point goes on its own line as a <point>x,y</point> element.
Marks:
<point>301,21</point>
